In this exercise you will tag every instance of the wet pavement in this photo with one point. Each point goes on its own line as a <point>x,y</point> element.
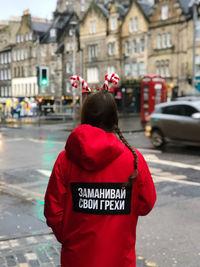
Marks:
<point>169,236</point>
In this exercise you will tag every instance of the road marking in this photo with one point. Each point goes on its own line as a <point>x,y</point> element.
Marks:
<point>31,240</point>
<point>14,243</point>
<point>154,159</point>
<point>10,188</point>
<point>44,141</point>
<point>162,179</point>
<point>150,150</point>
<point>31,256</point>
<point>44,172</point>
<point>152,264</point>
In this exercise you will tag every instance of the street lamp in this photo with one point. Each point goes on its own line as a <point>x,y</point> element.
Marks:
<point>73,25</point>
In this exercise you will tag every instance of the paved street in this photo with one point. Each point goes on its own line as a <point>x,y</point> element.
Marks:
<point>169,236</point>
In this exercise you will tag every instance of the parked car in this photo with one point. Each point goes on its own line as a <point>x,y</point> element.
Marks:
<point>177,121</point>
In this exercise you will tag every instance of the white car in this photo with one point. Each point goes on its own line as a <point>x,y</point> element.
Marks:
<point>177,121</point>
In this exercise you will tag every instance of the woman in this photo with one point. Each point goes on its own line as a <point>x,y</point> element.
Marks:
<point>98,187</point>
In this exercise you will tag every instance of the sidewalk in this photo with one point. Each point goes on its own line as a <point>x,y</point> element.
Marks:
<point>39,251</point>
<point>127,123</point>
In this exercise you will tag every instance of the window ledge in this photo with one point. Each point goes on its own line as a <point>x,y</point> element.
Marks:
<point>164,49</point>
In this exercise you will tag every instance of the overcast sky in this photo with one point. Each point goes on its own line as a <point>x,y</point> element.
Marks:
<point>38,8</point>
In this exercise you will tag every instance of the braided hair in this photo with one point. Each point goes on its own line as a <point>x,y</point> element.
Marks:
<point>133,176</point>
<point>100,110</point>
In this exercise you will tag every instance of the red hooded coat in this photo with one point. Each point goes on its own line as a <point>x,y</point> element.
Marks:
<point>86,205</point>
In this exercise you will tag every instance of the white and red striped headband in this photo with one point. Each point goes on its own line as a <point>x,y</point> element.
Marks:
<point>81,80</point>
<point>112,78</point>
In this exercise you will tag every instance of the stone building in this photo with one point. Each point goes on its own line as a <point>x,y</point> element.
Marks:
<point>26,56</point>
<point>171,43</point>
<point>60,35</point>
<point>134,39</point>
<point>8,30</point>
<point>81,6</point>
<point>5,73</point>
<point>134,55</point>
<point>100,42</point>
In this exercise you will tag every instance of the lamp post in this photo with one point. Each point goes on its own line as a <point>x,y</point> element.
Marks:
<point>73,25</point>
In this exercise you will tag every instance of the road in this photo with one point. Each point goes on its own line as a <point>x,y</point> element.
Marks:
<point>168,236</point>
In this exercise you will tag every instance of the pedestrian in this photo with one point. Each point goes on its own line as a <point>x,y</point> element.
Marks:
<point>98,187</point>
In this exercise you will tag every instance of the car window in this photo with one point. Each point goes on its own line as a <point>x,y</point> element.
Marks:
<point>188,110</point>
<point>172,110</point>
<point>180,110</point>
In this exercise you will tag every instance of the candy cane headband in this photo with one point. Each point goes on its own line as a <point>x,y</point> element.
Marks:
<point>112,78</point>
<point>81,80</point>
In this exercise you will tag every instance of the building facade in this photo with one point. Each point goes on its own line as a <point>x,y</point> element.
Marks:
<point>171,43</point>
<point>5,73</point>
<point>26,56</point>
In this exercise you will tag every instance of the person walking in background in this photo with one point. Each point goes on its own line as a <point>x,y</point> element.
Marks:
<point>98,187</point>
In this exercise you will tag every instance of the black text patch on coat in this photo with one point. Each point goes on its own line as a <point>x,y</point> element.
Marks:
<point>101,198</point>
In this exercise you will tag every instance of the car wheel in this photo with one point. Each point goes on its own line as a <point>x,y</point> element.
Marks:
<point>157,139</point>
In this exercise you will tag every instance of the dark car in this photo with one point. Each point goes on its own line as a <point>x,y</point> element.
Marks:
<point>177,121</point>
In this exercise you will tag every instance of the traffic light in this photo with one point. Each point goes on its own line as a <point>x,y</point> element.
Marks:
<point>43,76</point>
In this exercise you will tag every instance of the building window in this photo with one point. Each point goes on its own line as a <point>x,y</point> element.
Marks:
<point>167,71</point>
<point>18,55</point>
<point>68,67</point>
<point>92,51</point>
<point>111,49</point>
<point>52,49</point>
<point>163,40</point>
<point>10,91</point>
<point>164,12</point>
<point>158,67</point>
<point>43,51</point>
<point>53,33</point>
<point>68,46</point>
<point>52,68</point>
<point>136,24</point>
<point>21,38</point>
<point>135,46</point>
<point>92,75</point>
<point>82,5</point>
<point>158,41</point>
<point>5,74</point>
<point>9,57</point>
<point>9,74</point>
<point>111,69</point>
<point>162,68</point>
<point>52,88</point>
<point>127,70</point>
<point>142,45</point>
<point>135,69</point>
<point>68,88</point>
<point>127,48</point>
<point>141,69</point>
<point>30,36</point>
<point>5,58</point>
<point>18,38</point>
<point>131,25</point>
<point>113,25</point>
<point>169,44</point>
<point>26,36</point>
<point>92,27</point>
<point>22,54</point>
<point>1,58</point>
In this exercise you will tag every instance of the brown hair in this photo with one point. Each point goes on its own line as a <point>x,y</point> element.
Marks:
<point>100,110</point>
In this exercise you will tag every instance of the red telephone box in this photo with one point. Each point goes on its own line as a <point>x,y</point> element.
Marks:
<point>152,93</point>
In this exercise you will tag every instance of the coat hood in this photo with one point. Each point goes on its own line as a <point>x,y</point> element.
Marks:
<point>92,148</point>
